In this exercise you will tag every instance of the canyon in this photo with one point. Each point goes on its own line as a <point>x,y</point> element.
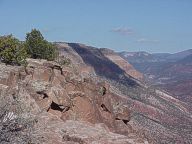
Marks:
<point>98,97</point>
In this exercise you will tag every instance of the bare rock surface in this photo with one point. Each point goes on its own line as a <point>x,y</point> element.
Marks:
<point>81,132</point>
<point>68,108</point>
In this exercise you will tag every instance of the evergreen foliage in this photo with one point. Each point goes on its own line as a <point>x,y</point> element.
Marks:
<point>38,47</point>
<point>12,51</point>
<point>15,52</point>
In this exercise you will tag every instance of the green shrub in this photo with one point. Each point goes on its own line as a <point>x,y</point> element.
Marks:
<point>12,51</point>
<point>38,47</point>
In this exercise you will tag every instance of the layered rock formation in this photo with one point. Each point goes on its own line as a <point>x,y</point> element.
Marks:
<point>123,64</point>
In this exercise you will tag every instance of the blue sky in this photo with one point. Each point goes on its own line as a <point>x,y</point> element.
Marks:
<point>122,25</point>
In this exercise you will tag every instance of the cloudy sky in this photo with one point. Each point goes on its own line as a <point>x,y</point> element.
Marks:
<point>122,25</point>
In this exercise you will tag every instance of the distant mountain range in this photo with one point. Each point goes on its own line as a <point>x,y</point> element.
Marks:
<point>143,56</point>
<point>172,72</point>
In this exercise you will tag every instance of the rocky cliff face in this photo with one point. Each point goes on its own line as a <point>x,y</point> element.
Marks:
<point>68,107</point>
<point>102,62</point>
<point>123,64</point>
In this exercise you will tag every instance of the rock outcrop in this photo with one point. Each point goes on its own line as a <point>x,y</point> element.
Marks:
<point>69,107</point>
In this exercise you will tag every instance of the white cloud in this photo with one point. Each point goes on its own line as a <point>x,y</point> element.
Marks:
<point>145,40</point>
<point>123,31</point>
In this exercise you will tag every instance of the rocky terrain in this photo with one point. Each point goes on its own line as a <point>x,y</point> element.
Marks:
<point>171,72</point>
<point>94,99</point>
<point>151,109</point>
<point>67,107</point>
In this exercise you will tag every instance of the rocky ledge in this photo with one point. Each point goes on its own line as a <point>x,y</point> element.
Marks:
<point>68,107</point>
